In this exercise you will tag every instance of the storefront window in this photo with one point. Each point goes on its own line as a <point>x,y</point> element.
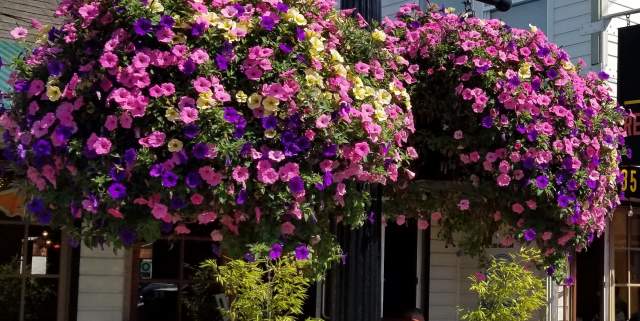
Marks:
<point>163,277</point>
<point>626,251</point>
<point>39,270</point>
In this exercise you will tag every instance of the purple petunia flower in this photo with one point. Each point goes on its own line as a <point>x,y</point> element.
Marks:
<point>296,185</point>
<point>249,257</point>
<point>300,35</point>
<point>156,170</point>
<point>169,179</point>
<point>543,52</point>
<point>45,217</point>
<point>327,179</point>
<point>231,115</point>
<point>536,83</point>
<point>117,191</point>
<point>302,252</point>
<point>242,197</point>
<point>276,251</point>
<point>130,156</point>
<point>330,151</point>
<point>371,217</point>
<point>36,206</point>
<point>177,203</point>
<point>267,22</point>
<point>55,67</point>
<point>551,270</point>
<point>193,180</point>
<point>222,62</point>
<point>116,174</point>
<point>166,21</point>
<point>21,86</point>
<point>142,26</point>
<point>603,75</point>
<point>563,200</point>
<point>542,182</point>
<point>200,150</point>
<point>282,7</point>
<point>487,122</point>
<point>42,148</point>
<point>530,235</point>
<point>552,73</point>
<point>568,281</point>
<point>197,29</point>
<point>269,122</point>
<point>191,131</point>
<point>285,48</point>
<point>127,236</point>
<point>188,67</point>
<point>514,81</point>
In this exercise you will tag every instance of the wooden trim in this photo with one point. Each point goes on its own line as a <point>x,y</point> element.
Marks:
<point>64,279</point>
<point>574,291</point>
<point>128,284</point>
<point>134,278</point>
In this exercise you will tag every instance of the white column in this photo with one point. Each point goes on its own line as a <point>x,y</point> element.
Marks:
<point>101,286</point>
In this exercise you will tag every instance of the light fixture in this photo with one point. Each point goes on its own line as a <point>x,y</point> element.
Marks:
<point>45,233</point>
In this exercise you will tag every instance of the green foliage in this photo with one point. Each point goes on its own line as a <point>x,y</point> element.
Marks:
<point>200,300</point>
<point>508,291</point>
<point>262,290</point>
<point>37,294</point>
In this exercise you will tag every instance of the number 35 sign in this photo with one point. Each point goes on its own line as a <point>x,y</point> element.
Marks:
<point>631,181</point>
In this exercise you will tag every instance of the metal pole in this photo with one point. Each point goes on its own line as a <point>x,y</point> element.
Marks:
<point>23,265</point>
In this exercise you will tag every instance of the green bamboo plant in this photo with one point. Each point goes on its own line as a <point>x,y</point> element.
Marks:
<point>508,291</point>
<point>263,289</point>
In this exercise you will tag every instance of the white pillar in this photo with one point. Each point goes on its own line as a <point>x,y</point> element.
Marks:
<point>102,287</point>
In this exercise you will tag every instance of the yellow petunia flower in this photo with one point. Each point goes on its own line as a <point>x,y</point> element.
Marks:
<point>270,104</point>
<point>380,114</point>
<point>174,145</point>
<point>255,100</point>
<point>53,92</point>
<point>172,114</point>
<point>335,56</point>
<point>241,97</point>
<point>156,6</point>
<point>525,71</point>
<point>378,35</point>
<point>205,100</point>
<point>359,92</point>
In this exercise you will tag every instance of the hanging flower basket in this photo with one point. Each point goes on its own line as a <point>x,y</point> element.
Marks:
<point>260,120</point>
<point>529,145</point>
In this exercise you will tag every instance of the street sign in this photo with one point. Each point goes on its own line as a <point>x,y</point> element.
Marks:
<point>146,269</point>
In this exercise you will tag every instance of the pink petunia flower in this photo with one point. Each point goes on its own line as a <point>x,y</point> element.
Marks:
<point>287,228</point>
<point>240,174</point>
<point>188,115</point>
<point>323,121</point>
<point>464,204</point>
<point>19,33</point>
<point>102,146</point>
<point>155,140</point>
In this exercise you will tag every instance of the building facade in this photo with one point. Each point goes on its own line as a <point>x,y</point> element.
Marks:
<point>416,269</point>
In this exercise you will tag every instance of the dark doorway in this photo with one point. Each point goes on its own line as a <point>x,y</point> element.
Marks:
<point>589,272</point>
<point>400,255</point>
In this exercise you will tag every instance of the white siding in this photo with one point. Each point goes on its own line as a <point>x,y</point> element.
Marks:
<point>390,7</point>
<point>568,18</point>
<point>449,280</point>
<point>101,285</point>
<point>611,36</point>
<point>19,13</point>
